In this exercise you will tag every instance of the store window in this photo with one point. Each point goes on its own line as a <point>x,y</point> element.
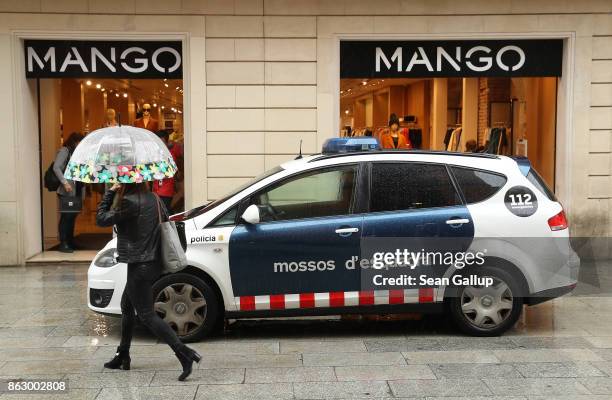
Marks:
<point>407,186</point>
<point>87,85</point>
<point>314,194</point>
<point>489,96</point>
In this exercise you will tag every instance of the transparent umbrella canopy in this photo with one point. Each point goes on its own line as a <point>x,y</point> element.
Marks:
<point>123,154</point>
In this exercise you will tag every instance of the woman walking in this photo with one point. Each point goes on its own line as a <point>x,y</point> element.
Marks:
<point>138,243</point>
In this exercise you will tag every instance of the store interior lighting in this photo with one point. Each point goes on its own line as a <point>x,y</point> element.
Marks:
<point>156,96</point>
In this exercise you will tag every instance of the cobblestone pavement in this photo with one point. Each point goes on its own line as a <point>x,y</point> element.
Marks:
<point>559,350</point>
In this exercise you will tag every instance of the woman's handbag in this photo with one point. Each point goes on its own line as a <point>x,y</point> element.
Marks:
<point>172,254</point>
<point>70,204</point>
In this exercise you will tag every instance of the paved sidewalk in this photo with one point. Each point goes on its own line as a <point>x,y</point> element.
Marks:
<point>559,350</point>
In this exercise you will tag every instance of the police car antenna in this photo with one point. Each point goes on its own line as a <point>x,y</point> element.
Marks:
<point>299,155</point>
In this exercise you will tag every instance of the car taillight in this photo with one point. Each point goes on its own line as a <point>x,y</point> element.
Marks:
<point>558,222</point>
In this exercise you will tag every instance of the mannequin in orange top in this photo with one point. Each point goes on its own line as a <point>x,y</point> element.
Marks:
<point>392,138</point>
<point>147,122</point>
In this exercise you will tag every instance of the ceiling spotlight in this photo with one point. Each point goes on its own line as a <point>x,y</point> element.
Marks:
<point>88,83</point>
<point>165,84</point>
<point>102,89</point>
<point>342,91</point>
<point>124,94</point>
<point>180,112</point>
<point>177,88</point>
<point>116,94</point>
<point>346,112</point>
<point>162,107</point>
<point>98,86</point>
<point>154,104</point>
<point>165,79</point>
<point>364,83</point>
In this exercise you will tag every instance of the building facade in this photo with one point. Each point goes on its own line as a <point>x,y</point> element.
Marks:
<point>262,76</point>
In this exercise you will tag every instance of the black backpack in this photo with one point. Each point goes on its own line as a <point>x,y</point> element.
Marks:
<point>50,179</point>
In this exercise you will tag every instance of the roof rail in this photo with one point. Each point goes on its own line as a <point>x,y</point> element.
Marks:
<point>432,152</point>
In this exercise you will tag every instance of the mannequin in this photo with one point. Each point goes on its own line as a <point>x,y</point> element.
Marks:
<point>147,122</point>
<point>392,139</point>
<point>110,118</point>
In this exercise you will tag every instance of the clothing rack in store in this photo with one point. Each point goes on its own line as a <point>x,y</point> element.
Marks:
<point>414,134</point>
<point>497,138</point>
<point>452,138</point>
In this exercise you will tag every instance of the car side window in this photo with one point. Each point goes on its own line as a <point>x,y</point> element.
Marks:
<point>227,218</point>
<point>406,186</point>
<point>313,194</point>
<point>477,185</point>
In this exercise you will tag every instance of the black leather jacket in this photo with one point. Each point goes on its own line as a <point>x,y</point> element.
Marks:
<point>137,220</point>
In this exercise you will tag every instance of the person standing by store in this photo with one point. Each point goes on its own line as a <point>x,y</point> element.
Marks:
<point>165,188</point>
<point>147,122</point>
<point>67,188</point>
<point>392,138</point>
<point>137,214</point>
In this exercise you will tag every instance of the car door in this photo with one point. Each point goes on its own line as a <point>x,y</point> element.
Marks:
<point>414,206</point>
<point>307,231</point>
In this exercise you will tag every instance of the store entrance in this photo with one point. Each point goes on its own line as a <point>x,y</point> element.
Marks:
<point>508,116</point>
<point>490,96</point>
<point>82,105</point>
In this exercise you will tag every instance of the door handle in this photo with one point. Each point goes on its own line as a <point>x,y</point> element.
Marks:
<point>458,221</point>
<point>346,231</point>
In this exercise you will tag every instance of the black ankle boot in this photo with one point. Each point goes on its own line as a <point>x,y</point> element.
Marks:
<point>64,247</point>
<point>121,361</point>
<point>187,357</point>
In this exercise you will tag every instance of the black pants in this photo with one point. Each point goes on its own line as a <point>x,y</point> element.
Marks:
<point>138,295</point>
<point>66,227</point>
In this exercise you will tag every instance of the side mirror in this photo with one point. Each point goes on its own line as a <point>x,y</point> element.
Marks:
<point>251,214</point>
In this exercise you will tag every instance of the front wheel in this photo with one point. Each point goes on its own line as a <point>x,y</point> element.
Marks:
<point>480,310</point>
<point>186,303</point>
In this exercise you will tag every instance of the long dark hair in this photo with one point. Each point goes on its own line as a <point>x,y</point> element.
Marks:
<point>73,140</point>
<point>131,188</point>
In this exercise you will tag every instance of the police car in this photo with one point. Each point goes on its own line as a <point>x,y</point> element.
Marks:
<point>300,240</point>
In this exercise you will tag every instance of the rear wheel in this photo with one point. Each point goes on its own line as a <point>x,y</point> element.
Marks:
<point>481,310</point>
<point>188,304</point>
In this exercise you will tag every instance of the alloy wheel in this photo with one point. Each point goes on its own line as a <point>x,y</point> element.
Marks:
<point>487,307</point>
<point>182,306</point>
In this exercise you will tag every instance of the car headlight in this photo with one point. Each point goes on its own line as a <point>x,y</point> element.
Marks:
<point>106,259</point>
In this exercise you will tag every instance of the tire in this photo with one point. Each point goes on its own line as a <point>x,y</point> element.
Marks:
<point>188,304</point>
<point>482,311</point>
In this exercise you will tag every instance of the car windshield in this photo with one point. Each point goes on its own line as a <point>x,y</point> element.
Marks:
<point>194,212</point>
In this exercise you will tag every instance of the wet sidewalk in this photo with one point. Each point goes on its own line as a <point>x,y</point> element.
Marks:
<point>559,350</point>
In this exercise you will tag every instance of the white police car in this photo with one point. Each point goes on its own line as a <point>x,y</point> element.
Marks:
<point>309,238</point>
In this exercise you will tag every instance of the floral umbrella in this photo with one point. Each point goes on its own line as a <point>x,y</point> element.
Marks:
<point>123,154</point>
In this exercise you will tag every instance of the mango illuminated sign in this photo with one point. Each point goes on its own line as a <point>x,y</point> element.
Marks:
<point>103,59</point>
<point>450,58</point>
